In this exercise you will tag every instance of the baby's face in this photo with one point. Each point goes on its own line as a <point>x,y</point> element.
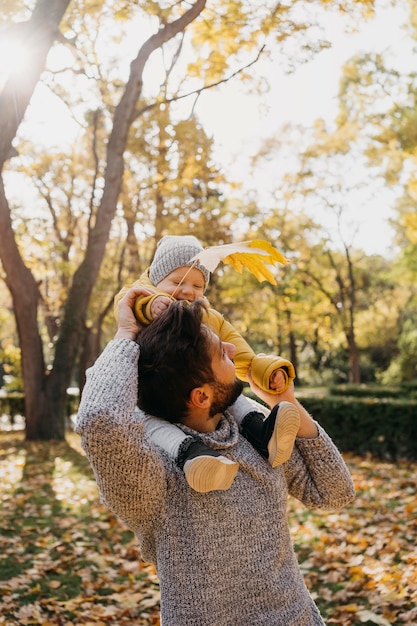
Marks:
<point>190,281</point>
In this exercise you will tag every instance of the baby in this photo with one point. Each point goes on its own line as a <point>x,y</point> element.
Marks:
<point>172,275</point>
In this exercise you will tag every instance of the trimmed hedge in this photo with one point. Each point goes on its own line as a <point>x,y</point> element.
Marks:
<point>405,390</point>
<point>14,404</point>
<point>385,428</point>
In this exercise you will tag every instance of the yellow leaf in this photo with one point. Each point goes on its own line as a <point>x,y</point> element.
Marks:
<point>253,255</point>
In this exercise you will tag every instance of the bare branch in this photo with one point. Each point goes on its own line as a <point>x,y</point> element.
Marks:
<point>198,92</point>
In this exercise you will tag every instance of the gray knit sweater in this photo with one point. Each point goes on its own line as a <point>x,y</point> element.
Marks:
<point>223,558</point>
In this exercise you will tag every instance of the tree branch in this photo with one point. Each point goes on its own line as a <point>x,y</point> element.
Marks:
<point>37,35</point>
<point>199,91</point>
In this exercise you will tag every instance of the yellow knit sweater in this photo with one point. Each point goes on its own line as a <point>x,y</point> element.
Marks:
<point>262,367</point>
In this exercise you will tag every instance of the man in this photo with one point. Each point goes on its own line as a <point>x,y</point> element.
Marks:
<point>223,558</point>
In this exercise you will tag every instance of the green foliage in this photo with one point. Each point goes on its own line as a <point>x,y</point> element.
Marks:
<point>384,427</point>
<point>403,367</point>
<point>11,362</point>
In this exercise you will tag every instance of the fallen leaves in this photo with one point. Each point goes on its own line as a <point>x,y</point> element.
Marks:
<point>65,560</point>
<point>361,563</point>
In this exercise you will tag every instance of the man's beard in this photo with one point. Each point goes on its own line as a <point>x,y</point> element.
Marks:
<point>225,395</point>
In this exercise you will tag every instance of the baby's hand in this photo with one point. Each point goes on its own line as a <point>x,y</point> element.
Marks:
<point>271,399</point>
<point>278,380</point>
<point>159,305</point>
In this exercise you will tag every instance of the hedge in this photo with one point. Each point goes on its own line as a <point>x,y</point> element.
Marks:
<point>14,404</point>
<point>400,391</point>
<point>385,428</point>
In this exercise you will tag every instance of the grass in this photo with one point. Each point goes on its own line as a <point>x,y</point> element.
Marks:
<point>66,560</point>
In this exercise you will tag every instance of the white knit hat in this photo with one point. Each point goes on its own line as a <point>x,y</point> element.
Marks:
<point>175,251</point>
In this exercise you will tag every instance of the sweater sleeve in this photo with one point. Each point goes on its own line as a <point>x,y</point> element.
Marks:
<point>143,304</point>
<point>244,353</point>
<point>262,367</point>
<point>317,475</point>
<point>112,436</point>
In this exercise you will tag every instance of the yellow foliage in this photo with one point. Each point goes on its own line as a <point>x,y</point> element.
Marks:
<point>410,225</point>
<point>412,188</point>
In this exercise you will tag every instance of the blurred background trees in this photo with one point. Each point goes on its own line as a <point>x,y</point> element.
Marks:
<point>81,217</point>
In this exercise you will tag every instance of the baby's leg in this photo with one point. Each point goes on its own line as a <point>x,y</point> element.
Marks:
<point>272,433</point>
<point>166,436</point>
<point>205,469</point>
<point>273,436</point>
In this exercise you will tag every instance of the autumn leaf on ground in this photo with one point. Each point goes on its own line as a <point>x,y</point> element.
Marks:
<point>360,563</point>
<point>66,560</point>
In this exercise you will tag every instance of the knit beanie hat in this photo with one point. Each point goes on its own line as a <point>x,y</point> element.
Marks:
<point>175,251</point>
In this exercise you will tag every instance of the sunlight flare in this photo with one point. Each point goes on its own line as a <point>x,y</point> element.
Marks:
<point>14,59</point>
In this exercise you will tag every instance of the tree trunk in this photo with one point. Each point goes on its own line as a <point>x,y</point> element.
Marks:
<point>46,394</point>
<point>354,363</point>
<point>37,35</point>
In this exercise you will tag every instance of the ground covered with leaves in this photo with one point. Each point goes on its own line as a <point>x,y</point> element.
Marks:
<point>65,560</point>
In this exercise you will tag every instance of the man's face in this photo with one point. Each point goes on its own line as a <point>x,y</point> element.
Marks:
<point>226,388</point>
<point>225,395</point>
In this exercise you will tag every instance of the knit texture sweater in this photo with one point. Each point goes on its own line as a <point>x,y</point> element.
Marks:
<point>223,558</point>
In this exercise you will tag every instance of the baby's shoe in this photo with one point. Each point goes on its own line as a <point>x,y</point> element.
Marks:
<point>206,469</point>
<point>273,436</point>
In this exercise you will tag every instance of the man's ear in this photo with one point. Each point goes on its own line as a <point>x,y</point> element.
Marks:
<point>200,397</point>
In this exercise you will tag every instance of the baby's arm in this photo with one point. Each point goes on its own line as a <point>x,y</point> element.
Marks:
<point>142,301</point>
<point>271,373</point>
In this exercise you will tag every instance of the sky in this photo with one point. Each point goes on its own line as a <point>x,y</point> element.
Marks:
<point>239,121</point>
<point>302,97</point>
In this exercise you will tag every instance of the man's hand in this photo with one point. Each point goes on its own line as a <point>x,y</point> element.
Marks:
<point>159,305</point>
<point>128,327</point>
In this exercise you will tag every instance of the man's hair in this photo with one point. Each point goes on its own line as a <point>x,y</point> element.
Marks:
<point>175,357</point>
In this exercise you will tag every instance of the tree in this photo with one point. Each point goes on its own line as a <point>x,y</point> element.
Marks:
<point>39,33</point>
<point>378,95</point>
<point>225,35</point>
<point>329,287</point>
<point>45,395</point>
